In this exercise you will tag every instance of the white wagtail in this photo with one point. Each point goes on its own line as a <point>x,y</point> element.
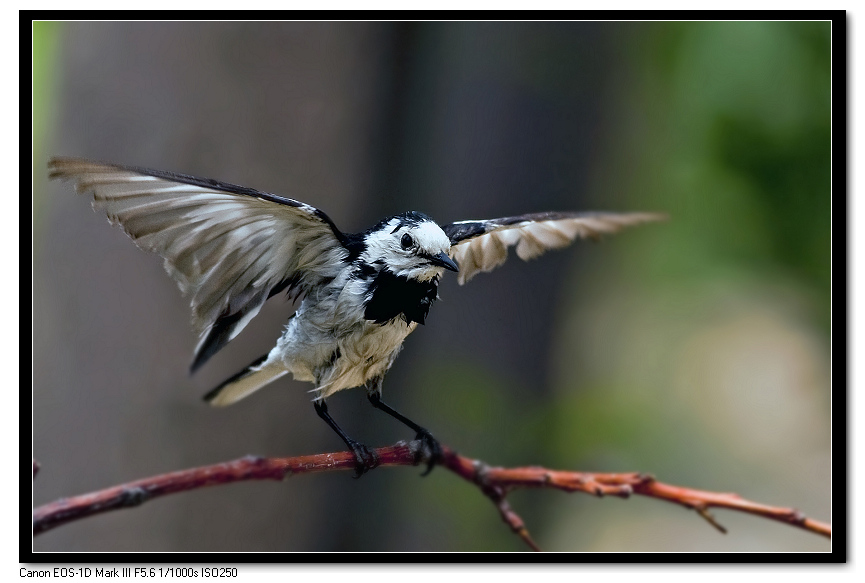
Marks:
<point>230,248</point>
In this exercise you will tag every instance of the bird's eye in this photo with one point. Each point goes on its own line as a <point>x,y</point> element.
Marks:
<point>406,241</point>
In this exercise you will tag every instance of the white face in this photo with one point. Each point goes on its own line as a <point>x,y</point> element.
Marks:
<point>406,249</point>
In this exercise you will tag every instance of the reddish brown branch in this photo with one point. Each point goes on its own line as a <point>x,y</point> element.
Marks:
<point>495,483</point>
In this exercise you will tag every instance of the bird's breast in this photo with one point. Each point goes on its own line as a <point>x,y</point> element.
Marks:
<point>358,355</point>
<point>389,296</point>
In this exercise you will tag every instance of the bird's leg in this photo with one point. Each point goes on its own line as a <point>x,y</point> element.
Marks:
<point>365,458</point>
<point>431,447</point>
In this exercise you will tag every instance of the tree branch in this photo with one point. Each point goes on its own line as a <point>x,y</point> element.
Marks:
<point>494,482</point>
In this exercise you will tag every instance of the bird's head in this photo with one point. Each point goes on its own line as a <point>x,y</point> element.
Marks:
<point>410,245</point>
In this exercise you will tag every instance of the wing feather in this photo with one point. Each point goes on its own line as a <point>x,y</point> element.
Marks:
<point>480,246</point>
<point>227,246</point>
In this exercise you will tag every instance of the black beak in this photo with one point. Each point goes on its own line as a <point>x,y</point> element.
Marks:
<point>442,260</point>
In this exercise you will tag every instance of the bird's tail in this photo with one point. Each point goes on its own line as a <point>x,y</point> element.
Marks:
<point>244,383</point>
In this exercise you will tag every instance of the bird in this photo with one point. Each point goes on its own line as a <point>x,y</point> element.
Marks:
<point>230,248</point>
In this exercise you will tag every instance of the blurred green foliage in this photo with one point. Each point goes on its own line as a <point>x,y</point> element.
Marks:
<point>701,356</point>
<point>739,145</point>
<point>46,36</point>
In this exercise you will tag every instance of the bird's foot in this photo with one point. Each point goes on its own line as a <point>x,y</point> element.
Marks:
<point>365,458</point>
<point>429,450</point>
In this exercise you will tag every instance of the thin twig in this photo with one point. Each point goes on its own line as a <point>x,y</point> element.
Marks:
<point>494,482</point>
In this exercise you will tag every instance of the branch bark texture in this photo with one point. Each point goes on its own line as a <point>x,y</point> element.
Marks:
<point>494,482</point>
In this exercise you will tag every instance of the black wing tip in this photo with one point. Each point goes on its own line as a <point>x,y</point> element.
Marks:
<point>217,338</point>
<point>211,395</point>
<point>202,356</point>
<point>198,362</point>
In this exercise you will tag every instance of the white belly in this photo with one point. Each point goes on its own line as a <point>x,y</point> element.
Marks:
<point>339,357</point>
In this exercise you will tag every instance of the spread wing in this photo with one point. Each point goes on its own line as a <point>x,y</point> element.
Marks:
<point>483,245</point>
<point>229,248</point>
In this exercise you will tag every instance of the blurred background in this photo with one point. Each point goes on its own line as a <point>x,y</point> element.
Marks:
<point>696,350</point>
